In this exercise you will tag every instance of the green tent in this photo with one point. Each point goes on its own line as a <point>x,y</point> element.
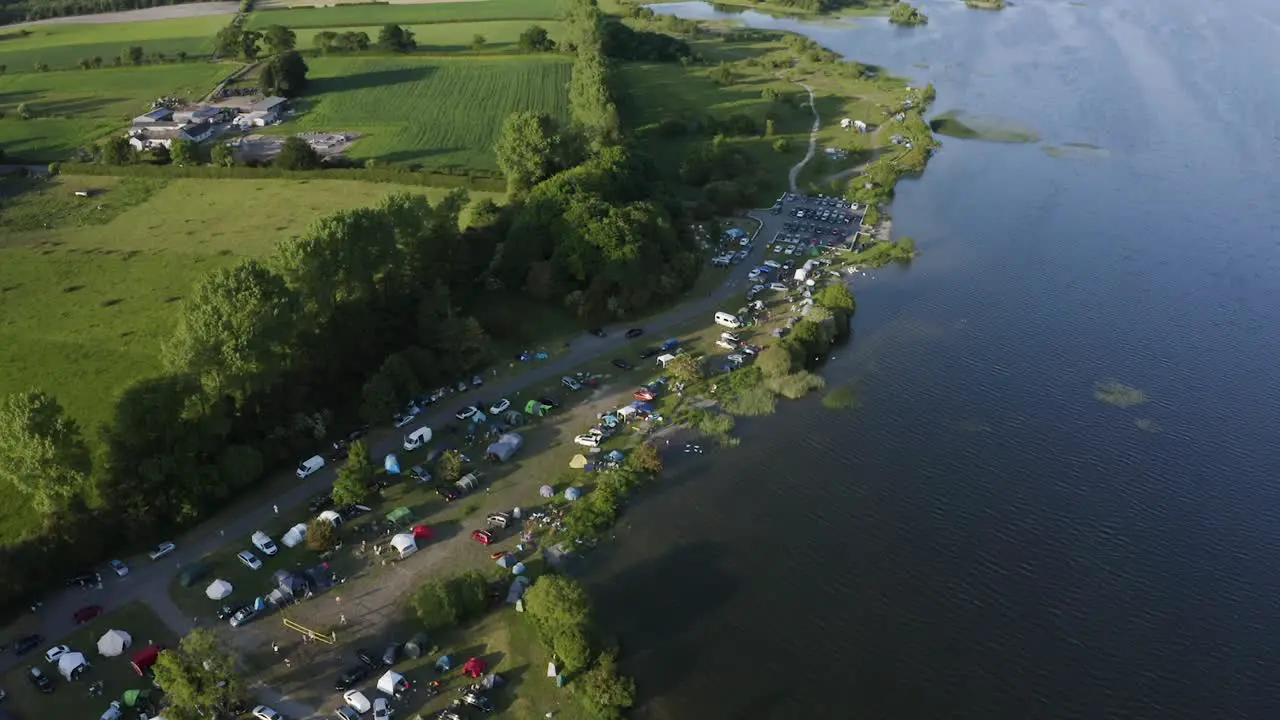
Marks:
<point>133,697</point>
<point>192,574</point>
<point>400,515</point>
<point>533,407</point>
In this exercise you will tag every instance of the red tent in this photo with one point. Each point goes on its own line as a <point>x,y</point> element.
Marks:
<point>474,667</point>
<point>421,532</point>
<point>146,658</point>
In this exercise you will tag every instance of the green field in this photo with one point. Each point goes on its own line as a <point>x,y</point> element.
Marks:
<point>87,302</point>
<point>500,35</point>
<point>380,14</point>
<point>72,108</point>
<point>436,112</point>
<point>64,46</point>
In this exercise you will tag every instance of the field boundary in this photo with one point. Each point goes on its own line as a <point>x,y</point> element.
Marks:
<point>471,180</point>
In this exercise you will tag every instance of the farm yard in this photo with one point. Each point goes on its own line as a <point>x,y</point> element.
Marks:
<point>499,35</point>
<point>62,47</point>
<point>437,112</point>
<point>407,14</point>
<point>73,108</point>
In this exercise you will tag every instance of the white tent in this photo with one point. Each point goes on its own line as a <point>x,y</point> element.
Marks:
<point>114,642</point>
<point>218,589</point>
<point>72,664</point>
<point>404,544</point>
<point>332,517</point>
<point>295,536</point>
<point>392,683</point>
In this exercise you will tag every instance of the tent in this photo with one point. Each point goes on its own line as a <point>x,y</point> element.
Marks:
<point>192,574</point>
<point>506,445</point>
<point>626,412</point>
<point>736,232</point>
<point>444,663</point>
<point>547,491</point>
<point>404,544</point>
<point>474,667</point>
<point>417,645</point>
<point>506,560</point>
<point>399,516</point>
<point>145,659</point>
<point>514,417</point>
<point>131,698</point>
<point>578,462</point>
<point>643,407</point>
<point>610,420</point>
<point>392,464</point>
<point>72,664</point>
<point>422,532</point>
<point>614,456</point>
<point>518,569</point>
<point>572,493</point>
<point>666,358</point>
<point>517,589</point>
<point>113,642</point>
<point>533,407</point>
<point>295,536</point>
<point>218,589</point>
<point>113,711</point>
<point>290,584</point>
<point>392,683</point>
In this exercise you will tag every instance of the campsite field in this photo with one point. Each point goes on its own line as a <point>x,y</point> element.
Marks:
<point>500,35</point>
<point>432,111</point>
<point>71,699</point>
<point>354,15</point>
<point>64,46</point>
<point>73,108</point>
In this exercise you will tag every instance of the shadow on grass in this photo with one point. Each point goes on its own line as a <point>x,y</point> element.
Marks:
<point>372,79</point>
<point>73,107</point>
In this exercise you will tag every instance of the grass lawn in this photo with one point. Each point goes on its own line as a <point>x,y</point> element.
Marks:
<point>437,112</point>
<point>407,14</point>
<point>64,46</point>
<point>500,35</point>
<point>72,108</point>
<point>71,699</point>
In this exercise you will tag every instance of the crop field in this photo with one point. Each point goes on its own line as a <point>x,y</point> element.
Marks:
<point>437,112</point>
<point>72,108</point>
<point>355,15</point>
<point>499,35</point>
<point>64,46</point>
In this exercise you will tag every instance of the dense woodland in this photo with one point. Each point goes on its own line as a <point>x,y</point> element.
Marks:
<point>15,11</point>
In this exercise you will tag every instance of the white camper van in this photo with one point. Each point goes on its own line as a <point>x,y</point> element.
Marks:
<point>309,466</point>
<point>417,438</point>
<point>730,321</point>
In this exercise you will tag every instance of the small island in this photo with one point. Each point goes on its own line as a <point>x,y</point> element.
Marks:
<point>986,4</point>
<point>906,14</point>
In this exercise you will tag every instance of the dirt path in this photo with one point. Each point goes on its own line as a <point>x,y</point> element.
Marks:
<point>165,12</point>
<point>813,141</point>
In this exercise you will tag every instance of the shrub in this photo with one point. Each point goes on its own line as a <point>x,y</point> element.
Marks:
<point>322,536</point>
<point>604,691</point>
<point>842,398</point>
<point>796,385</point>
<point>751,402</point>
<point>645,459</point>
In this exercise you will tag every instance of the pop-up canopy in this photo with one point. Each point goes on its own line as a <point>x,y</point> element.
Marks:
<point>113,643</point>
<point>218,589</point>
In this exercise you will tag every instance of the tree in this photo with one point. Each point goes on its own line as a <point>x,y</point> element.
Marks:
<point>42,453</point>
<point>199,678</point>
<point>781,145</point>
<point>687,368</point>
<point>477,43</point>
<point>836,297</point>
<point>561,612</point>
<point>24,113</point>
<point>905,14</point>
<point>97,61</point>
<point>527,149</point>
<point>322,536</point>
<point>354,477</point>
<point>297,154</point>
<point>449,467</point>
<point>379,399</point>
<point>536,39</point>
<point>116,151</point>
<point>605,691</point>
<point>249,47</point>
<point>775,361</point>
<point>723,74</point>
<point>646,459</point>
<point>86,63</point>
<point>4,69</point>
<point>284,74</point>
<point>133,55</point>
<point>229,41</point>
<point>395,38</point>
<point>769,127</point>
<point>41,66</point>
<point>279,39</point>
<point>182,56</point>
<point>435,606</point>
<point>222,155</point>
<point>326,41</point>
<point>185,152</point>
<point>160,155</point>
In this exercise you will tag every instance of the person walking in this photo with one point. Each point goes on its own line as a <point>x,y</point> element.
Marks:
<point>275,647</point>
<point>275,509</point>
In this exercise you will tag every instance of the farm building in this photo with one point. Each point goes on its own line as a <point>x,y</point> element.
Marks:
<point>197,114</point>
<point>262,113</point>
<point>149,138</point>
<point>160,115</point>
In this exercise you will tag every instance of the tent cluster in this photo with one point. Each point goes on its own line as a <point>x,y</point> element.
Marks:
<point>504,447</point>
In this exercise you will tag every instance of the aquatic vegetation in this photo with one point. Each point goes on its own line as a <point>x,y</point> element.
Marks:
<point>845,397</point>
<point>956,124</point>
<point>1075,151</point>
<point>796,385</point>
<point>1146,425</point>
<point>751,402</point>
<point>1114,392</point>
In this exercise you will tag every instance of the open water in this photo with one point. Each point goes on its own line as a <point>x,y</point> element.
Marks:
<point>984,538</point>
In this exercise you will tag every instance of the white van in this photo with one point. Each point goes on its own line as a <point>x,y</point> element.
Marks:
<point>730,321</point>
<point>263,542</point>
<point>309,466</point>
<point>417,438</point>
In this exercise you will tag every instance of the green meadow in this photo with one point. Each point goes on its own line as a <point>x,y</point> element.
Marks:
<point>64,46</point>
<point>381,14</point>
<point>499,35</point>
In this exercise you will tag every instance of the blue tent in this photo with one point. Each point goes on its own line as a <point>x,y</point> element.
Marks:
<point>507,561</point>
<point>444,664</point>
<point>572,493</point>
<point>392,464</point>
<point>614,456</point>
<point>670,344</point>
<point>643,407</point>
<point>259,604</point>
<point>735,232</point>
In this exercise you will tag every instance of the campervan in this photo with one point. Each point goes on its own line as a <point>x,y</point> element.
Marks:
<point>730,321</point>
<point>309,466</point>
<point>417,438</point>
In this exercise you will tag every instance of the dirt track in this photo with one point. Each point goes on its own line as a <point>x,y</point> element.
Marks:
<point>167,12</point>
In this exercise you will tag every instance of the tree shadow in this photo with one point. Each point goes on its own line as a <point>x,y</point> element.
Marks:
<point>372,79</point>
<point>416,154</point>
<point>73,107</point>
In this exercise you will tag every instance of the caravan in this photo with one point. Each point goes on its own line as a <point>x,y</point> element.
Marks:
<point>417,438</point>
<point>728,320</point>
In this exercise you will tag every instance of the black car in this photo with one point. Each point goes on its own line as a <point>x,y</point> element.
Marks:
<point>40,680</point>
<point>649,352</point>
<point>366,657</point>
<point>448,492</point>
<point>622,364</point>
<point>548,402</point>
<point>85,580</point>
<point>635,333</point>
<point>340,451</point>
<point>598,332</point>
<point>350,677</point>
<point>226,611</point>
<point>26,644</point>
<point>390,654</point>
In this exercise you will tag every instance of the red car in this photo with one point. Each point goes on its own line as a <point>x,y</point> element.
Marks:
<point>85,614</point>
<point>645,394</point>
<point>482,537</point>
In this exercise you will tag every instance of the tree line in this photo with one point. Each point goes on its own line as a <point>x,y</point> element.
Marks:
<point>15,11</point>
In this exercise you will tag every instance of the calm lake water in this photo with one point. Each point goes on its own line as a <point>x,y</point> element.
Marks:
<point>984,538</point>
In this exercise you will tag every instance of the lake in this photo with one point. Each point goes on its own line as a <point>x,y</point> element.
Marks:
<point>984,537</point>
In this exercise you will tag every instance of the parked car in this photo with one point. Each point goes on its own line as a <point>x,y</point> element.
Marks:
<point>649,352</point>
<point>263,542</point>
<point>477,381</point>
<point>226,611</point>
<point>162,550</point>
<point>634,333</point>
<point>55,652</point>
<point>390,654</point>
<point>448,492</point>
<point>622,364</point>
<point>42,682</point>
<point>366,656</point>
<point>570,383</point>
<point>381,709</point>
<point>401,419</point>
<point>466,412</point>
<point>588,440</point>
<point>482,536</point>
<point>87,613</point>
<point>309,466</point>
<point>357,701</point>
<point>85,580</point>
<point>478,701</point>
<point>26,644</point>
<point>500,407</point>
<point>262,712</point>
<point>348,713</point>
<point>350,677</point>
<point>244,616</point>
<point>249,560</point>
<point>598,332</point>
<point>320,502</point>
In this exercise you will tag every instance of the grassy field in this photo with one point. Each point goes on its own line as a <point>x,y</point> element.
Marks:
<point>500,35</point>
<point>63,46</point>
<point>353,15</point>
<point>431,111</point>
<point>72,108</point>
<point>71,699</point>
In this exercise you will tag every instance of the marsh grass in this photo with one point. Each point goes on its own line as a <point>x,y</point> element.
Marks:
<point>1114,392</point>
<point>956,124</point>
<point>845,397</point>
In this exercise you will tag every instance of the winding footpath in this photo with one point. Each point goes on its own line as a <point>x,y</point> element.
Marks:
<point>813,141</point>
